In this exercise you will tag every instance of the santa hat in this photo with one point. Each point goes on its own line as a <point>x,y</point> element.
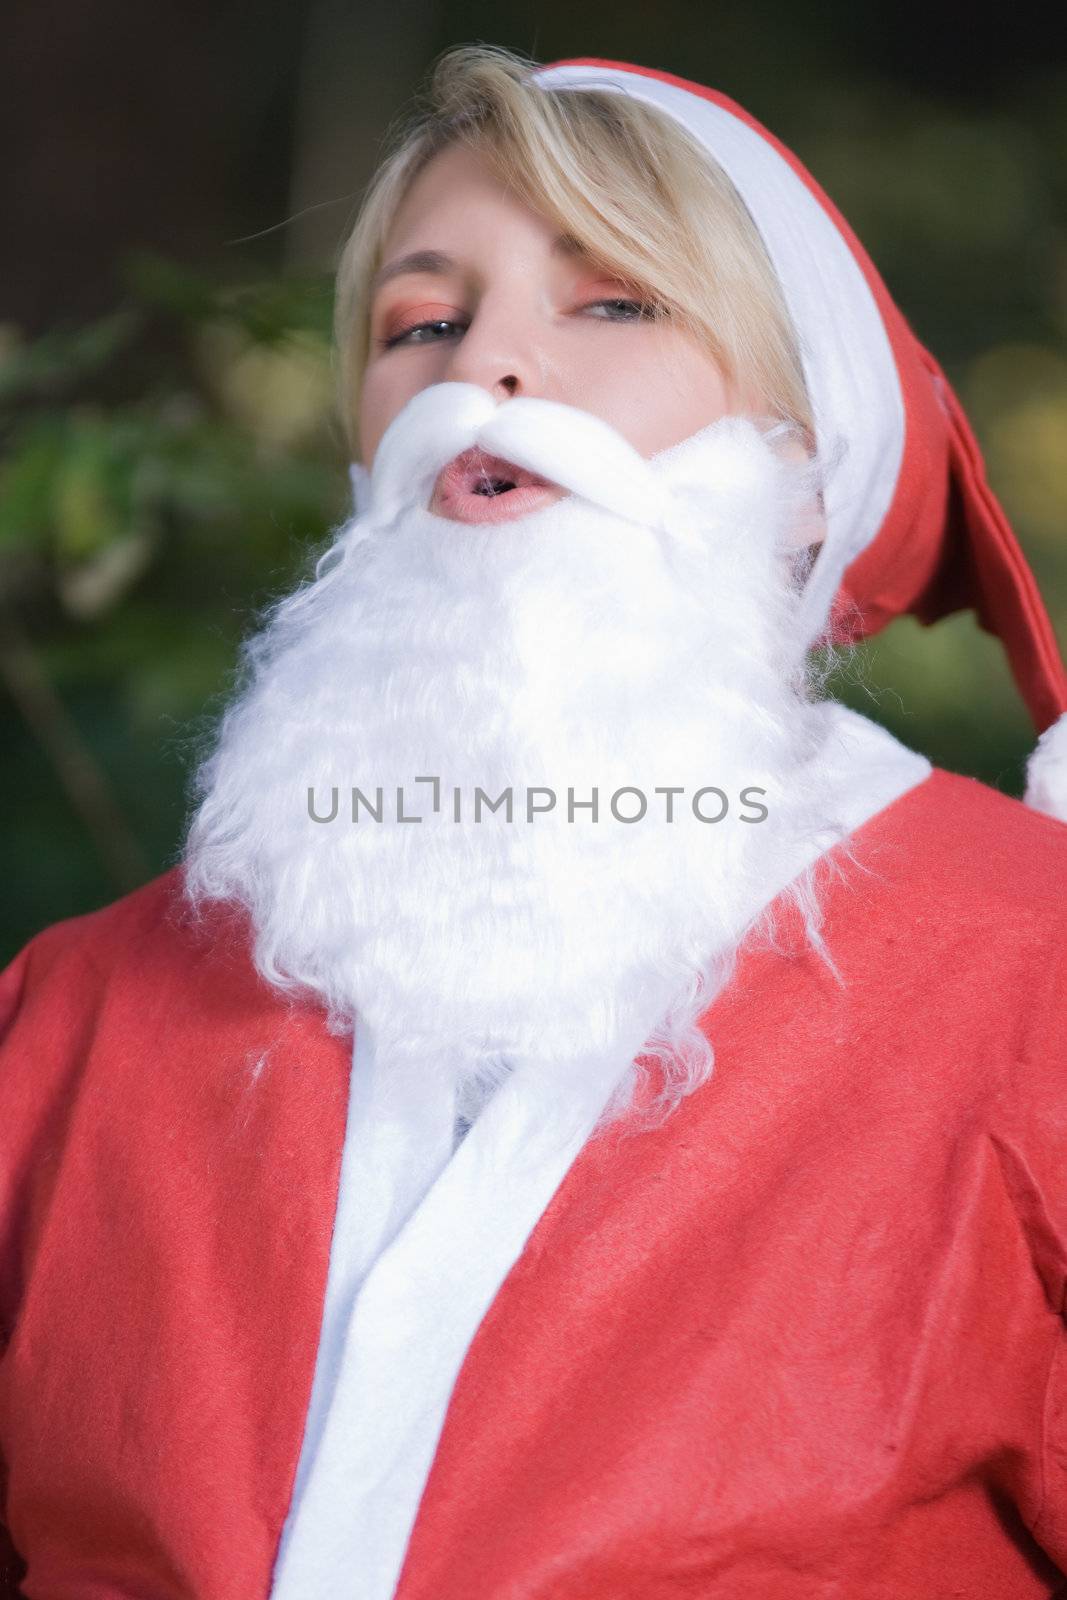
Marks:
<point>912,524</point>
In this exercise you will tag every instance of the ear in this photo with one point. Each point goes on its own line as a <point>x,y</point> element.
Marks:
<point>809,525</point>
<point>809,530</point>
<point>802,561</point>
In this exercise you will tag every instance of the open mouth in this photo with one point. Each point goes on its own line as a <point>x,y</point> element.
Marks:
<point>477,487</point>
<point>493,486</point>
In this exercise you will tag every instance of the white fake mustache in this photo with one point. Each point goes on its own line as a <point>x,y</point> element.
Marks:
<point>568,446</point>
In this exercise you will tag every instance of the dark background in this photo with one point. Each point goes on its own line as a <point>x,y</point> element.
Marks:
<point>176,184</point>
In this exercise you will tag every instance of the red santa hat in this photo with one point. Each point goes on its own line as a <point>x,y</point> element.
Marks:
<point>912,524</point>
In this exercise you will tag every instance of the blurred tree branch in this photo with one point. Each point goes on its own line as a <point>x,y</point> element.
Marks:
<point>80,775</point>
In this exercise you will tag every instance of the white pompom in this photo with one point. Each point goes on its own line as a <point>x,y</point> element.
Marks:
<point>1046,772</point>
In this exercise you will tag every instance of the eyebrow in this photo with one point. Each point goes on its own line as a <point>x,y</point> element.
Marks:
<point>435,261</point>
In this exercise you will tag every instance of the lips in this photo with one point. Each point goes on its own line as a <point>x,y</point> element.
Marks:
<point>479,488</point>
<point>475,472</point>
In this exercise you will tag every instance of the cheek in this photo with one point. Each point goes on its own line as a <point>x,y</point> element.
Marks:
<point>663,397</point>
<point>380,401</point>
<point>388,385</point>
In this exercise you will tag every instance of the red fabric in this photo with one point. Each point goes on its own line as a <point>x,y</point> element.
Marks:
<point>172,1143</point>
<point>806,1340</point>
<point>945,544</point>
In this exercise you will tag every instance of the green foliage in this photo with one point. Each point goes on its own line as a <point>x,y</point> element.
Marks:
<point>165,471</point>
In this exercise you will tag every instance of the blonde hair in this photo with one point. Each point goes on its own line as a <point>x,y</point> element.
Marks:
<point>641,196</point>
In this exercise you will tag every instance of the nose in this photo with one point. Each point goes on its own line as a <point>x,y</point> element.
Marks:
<point>498,351</point>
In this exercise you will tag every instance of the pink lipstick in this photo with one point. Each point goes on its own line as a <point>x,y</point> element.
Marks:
<point>476,487</point>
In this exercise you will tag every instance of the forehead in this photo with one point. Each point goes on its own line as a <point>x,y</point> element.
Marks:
<point>457,185</point>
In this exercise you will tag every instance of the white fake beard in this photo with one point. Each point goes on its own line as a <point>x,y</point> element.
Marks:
<point>575,648</point>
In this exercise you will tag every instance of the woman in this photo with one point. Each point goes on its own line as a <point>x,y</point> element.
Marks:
<point>443,1313</point>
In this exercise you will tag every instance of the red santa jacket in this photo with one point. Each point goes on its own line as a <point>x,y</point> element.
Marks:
<point>807,1339</point>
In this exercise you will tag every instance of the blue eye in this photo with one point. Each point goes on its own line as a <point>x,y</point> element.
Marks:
<point>404,337</point>
<point>644,310</point>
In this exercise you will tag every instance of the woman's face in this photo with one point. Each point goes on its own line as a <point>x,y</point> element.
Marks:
<point>496,299</point>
